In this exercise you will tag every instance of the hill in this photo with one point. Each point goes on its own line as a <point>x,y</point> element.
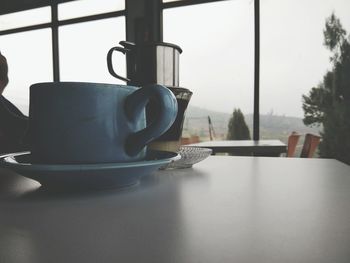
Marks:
<point>271,126</point>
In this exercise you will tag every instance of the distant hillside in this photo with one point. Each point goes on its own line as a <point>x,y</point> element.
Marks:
<point>271,126</point>
<point>280,126</point>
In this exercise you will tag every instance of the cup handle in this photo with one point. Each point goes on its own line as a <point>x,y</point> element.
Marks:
<point>110,62</point>
<point>136,102</point>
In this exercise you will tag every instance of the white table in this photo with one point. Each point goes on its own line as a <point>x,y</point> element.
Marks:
<point>224,209</point>
<point>245,147</point>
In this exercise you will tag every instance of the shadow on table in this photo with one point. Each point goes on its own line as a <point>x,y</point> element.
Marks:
<point>16,188</point>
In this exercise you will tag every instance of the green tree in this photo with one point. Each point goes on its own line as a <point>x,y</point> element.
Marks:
<point>328,104</point>
<point>237,127</point>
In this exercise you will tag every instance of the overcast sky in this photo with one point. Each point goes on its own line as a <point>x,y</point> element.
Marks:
<point>217,63</point>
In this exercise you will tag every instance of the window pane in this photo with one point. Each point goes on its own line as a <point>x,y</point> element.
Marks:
<point>28,64</point>
<point>167,1</point>
<point>88,7</point>
<point>293,58</point>
<point>217,62</point>
<point>25,18</point>
<point>84,47</point>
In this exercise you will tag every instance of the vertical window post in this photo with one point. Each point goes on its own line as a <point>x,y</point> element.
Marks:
<point>256,117</point>
<point>55,52</point>
<point>144,21</point>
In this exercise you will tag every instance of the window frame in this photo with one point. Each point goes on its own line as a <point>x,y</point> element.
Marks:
<point>55,24</point>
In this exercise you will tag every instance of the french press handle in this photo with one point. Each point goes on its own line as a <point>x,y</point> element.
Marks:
<point>110,62</point>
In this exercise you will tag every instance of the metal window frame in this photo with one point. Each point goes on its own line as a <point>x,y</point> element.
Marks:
<point>55,24</point>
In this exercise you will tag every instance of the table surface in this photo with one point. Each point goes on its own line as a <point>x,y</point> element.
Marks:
<point>224,209</point>
<point>242,146</point>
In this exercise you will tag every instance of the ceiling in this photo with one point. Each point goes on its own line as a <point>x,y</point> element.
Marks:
<point>10,6</point>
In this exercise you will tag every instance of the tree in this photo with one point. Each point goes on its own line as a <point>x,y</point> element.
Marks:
<point>328,104</point>
<point>237,127</point>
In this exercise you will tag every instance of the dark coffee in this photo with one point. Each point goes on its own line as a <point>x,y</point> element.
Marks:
<point>183,97</point>
<point>175,131</point>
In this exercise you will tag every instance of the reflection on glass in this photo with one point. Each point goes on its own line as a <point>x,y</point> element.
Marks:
<point>84,47</point>
<point>25,18</point>
<point>88,7</point>
<point>28,64</point>
<point>217,62</point>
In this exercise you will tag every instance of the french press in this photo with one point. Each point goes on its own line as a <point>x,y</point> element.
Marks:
<point>148,63</point>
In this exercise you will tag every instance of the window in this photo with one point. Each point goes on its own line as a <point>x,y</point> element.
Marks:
<point>88,7</point>
<point>29,57</point>
<point>83,50</point>
<point>25,18</point>
<point>167,1</point>
<point>293,60</point>
<point>217,62</point>
<point>82,46</point>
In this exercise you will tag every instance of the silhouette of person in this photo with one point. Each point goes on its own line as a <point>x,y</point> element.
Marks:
<point>13,123</point>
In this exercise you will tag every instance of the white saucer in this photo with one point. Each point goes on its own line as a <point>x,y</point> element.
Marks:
<point>104,175</point>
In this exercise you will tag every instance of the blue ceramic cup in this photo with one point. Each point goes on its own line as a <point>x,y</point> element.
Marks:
<point>80,123</point>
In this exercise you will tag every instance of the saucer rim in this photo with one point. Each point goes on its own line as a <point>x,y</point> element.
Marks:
<point>173,156</point>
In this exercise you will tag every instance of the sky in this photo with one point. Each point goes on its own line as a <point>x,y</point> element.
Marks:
<point>217,39</point>
<point>218,61</point>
